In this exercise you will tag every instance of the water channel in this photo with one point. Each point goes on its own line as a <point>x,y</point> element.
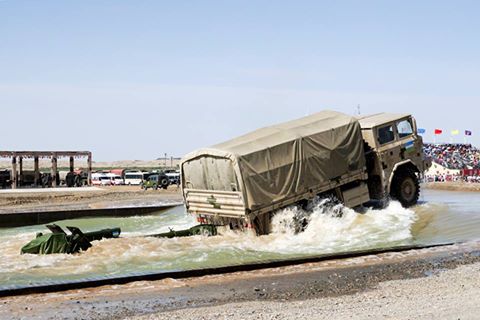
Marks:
<point>441,216</point>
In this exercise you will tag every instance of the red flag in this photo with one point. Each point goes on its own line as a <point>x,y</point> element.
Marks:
<point>438,131</point>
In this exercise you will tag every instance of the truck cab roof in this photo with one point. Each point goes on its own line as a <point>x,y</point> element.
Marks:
<point>373,120</point>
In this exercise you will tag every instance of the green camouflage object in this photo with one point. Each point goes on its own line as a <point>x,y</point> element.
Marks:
<point>60,242</point>
<point>47,244</point>
<point>202,229</point>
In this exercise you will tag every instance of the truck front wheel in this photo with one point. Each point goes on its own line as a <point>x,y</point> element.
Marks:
<point>405,188</point>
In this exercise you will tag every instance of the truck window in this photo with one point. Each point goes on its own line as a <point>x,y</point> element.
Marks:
<point>385,134</point>
<point>404,128</point>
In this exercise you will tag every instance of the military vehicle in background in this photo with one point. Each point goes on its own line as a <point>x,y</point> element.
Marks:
<point>173,176</point>
<point>156,181</point>
<point>76,178</point>
<point>242,182</point>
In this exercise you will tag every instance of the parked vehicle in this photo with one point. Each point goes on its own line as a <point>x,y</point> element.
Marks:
<point>118,172</point>
<point>173,176</point>
<point>73,179</point>
<point>101,179</point>
<point>115,179</point>
<point>96,182</point>
<point>134,178</point>
<point>27,178</point>
<point>242,182</point>
<point>5,179</point>
<point>118,180</point>
<point>76,178</point>
<point>156,181</point>
<point>106,181</point>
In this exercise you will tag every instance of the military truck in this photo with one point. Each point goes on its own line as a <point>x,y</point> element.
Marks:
<point>156,181</point>
<point>241,183</point>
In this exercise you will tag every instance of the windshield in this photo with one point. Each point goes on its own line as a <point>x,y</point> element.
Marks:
<point>404,128</point>
<point>135,176</point>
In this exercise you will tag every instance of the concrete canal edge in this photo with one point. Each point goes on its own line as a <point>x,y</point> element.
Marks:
<point>20,219</point>
<point>64,285</point>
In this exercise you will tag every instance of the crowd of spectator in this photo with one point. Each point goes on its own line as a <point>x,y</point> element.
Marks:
<point>454,156</point>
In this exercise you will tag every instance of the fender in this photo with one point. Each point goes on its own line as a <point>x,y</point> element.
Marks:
<point>395,167</point>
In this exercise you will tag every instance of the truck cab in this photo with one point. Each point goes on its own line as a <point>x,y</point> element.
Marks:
<point>394,156</point>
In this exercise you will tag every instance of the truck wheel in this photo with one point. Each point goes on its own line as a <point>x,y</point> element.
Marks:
<point>405,188</point>
<point>164,183</point>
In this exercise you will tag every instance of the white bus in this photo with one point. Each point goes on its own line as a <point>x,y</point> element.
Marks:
<point>134,178</point>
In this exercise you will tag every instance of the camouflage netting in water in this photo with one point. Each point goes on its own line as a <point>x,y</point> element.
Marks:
<point>47,244</point>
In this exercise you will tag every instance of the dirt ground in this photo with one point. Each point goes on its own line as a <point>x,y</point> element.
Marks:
<point>451,294</point>
<point>453,186</point>
<point>96,198</point>
<point>435,283</point>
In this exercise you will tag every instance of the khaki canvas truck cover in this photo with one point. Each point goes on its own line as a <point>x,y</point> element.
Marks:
<point>273,163</point>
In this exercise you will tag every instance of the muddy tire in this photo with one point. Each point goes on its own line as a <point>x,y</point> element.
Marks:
<point>405,188</point>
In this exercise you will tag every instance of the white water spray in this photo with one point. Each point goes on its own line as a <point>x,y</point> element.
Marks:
<point>331,228</point>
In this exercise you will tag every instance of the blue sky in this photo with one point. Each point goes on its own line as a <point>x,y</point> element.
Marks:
<point>137,79</point>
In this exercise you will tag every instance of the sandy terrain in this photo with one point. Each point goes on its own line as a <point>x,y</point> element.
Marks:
<point>453,186</point>
<point>107,196</point>
<point>451,294</point>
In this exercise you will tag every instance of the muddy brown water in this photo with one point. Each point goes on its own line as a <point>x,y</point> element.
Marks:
<point>440,217</point>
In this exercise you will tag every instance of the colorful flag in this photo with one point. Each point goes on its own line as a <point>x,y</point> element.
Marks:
<point>438,131</point>
<point>455,132</point>
<point>421,131</point>
<point>468,132</point>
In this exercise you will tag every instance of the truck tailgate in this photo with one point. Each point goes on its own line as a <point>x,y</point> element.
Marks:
<point>213,202</point>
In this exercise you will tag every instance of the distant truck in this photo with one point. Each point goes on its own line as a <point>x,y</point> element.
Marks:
<point>156,181</point>
<point>173,176</point>
<point>242,182</point>
<point>76,178</point>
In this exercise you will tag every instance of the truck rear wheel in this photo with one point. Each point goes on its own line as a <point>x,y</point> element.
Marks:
<point>405,188</point>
